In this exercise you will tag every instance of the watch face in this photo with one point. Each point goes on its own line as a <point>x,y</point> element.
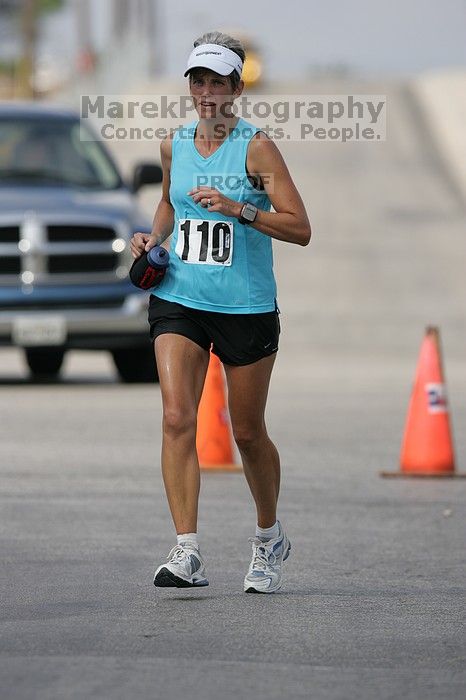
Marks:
<point>249,212</point>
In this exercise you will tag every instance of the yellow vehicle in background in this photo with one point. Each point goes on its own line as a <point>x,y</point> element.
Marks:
<point>252,68</point>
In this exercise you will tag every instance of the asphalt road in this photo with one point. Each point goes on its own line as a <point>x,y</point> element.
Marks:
<point>373,599</point>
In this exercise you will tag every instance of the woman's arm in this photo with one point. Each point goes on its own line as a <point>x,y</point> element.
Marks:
<point>162,225</point>
<point>289,222</point>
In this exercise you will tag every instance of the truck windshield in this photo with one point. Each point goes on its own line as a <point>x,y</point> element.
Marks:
<point>43,152</point>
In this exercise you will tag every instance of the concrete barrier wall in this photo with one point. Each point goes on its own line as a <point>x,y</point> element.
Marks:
<point>442,98</point>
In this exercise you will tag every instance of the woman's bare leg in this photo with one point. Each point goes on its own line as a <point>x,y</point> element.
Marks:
<point>247,396</point>
<point>182,367</point>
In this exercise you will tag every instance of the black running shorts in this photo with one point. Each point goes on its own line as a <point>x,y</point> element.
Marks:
<point>237,339</point>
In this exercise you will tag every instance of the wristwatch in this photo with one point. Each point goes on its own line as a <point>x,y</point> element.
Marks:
<point>248,213</point>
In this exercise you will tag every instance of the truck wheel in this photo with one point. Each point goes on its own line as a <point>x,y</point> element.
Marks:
<point>136,364</point>
<point>44,362</point>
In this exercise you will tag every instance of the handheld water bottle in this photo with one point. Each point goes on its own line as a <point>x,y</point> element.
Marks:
<point>149,270</point>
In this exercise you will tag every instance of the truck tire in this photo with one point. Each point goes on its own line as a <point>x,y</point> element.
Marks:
<point>136,364</point>
<point>44,363</point>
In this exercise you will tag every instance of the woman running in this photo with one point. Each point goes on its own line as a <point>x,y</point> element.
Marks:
<point>221,175</point>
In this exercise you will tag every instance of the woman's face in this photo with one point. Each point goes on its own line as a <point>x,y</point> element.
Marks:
<point>212,93</point>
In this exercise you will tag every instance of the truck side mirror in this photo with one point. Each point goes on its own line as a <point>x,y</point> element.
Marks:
<point>146,174</point>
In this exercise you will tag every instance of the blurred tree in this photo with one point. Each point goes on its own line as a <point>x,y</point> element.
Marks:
<point>50,5</point>
<point>29,11</point>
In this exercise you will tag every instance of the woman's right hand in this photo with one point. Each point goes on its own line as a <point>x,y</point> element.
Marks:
<point>140,243</point>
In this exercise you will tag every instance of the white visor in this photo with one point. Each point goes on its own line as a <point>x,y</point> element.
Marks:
<point>217,58</point>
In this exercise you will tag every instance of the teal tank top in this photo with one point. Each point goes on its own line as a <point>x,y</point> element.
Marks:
<point>216,263</point>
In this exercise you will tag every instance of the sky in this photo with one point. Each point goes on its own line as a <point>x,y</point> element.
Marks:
<point>369,37</point>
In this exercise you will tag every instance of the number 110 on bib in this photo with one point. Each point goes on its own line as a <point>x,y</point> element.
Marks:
<point>205,241</point>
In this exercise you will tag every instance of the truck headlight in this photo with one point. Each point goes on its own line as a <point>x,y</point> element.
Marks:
<point>119,245</point>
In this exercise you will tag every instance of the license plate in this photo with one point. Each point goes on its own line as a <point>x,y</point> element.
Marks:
<point>40,330</point>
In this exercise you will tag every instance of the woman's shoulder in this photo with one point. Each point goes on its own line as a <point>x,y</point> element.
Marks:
<point>260,142</point>
<point>263,154</point>
<point>253,134</point>
<point>181,132</point>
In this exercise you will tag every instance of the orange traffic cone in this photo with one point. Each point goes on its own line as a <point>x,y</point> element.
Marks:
<point>214,441</point>
<point>427,449</point>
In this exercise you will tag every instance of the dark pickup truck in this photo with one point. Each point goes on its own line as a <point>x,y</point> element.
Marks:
<point>66,217</point>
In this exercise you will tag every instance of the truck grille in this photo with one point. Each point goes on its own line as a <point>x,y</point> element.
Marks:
<point>9,234</point>
<point>60,234</point>
<point>10,266</point>
<point>62,264</point>
<point>44,252</point>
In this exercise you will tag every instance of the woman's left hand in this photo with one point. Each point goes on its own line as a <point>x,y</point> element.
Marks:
<point>212,200</point>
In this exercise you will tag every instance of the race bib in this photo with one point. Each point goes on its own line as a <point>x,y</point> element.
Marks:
<point>205,241</point>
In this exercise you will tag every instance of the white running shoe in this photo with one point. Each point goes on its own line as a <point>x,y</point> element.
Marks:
<point>185,568</point>
<point>264,574</point>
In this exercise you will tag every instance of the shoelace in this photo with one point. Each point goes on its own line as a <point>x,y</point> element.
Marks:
<point>177,554</point>
<point>261,555</point>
